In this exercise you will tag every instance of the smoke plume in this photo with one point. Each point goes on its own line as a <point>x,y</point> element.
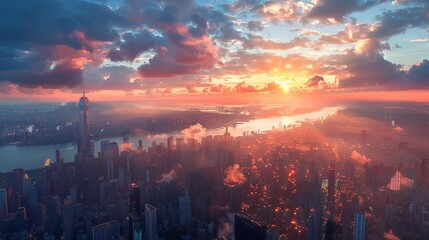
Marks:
<point>167,177</point>
<point>398,181</point>
<point>360,158</point>
<point>234,176</point>
<point>390,236</point>
<point>226,227</point>
<point>194,131</point>
<point>398,129</point>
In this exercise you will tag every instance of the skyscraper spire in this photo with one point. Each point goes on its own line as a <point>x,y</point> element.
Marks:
<point>84,144</point>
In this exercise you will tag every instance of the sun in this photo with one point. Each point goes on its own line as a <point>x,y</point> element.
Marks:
<point>283,85</point>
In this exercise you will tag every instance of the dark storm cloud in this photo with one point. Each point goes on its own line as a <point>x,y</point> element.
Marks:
<point>201,26</point>
<point>57,22</point>
<point>419,73</point>
<point>398,21</point>
<point>367,71</point>
<point>338,9</point>
<point>31,31</point>
<point>179,35</point>
<point>221,26</point>
<point>366,66</point>
<point>314,81</point>
<point>132,45</point>
<point>31,68</point>
<point>62,75</point>
<point>184,53</point>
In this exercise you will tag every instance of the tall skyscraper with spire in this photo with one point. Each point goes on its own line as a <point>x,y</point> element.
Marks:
<point>84,144</point>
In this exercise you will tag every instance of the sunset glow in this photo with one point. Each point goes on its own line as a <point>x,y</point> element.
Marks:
<point>140,50</point>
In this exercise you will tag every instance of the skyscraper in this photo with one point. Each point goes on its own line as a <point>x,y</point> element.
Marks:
<point>248,229</point>
<point>423,167</point>
<point>107,230</point>
<point>84,145</point>
<point>313,226</point>
<point>3,202</point>
<point>150,222</point>
<point>135,198</point>
<point>359,227</point>
<point>71,211</point>
<point>424,231</point>
<point>331,185</point>
<point>136,229</point>
<point>110,156</point>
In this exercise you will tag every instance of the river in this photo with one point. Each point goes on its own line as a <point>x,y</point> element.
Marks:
<point>34,156</point>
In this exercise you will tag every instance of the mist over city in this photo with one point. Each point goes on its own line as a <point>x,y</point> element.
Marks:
<point>214,120</point>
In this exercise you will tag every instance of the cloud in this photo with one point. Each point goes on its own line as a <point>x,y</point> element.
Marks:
<point>275,11</point>
<point>419,40</point>
<point>352,33</point>
<point>334,11</point>
<point>111,78</point>
<point>255,25</point>
<point>366,66</point>
<point>308,32</point>
<point>418,73</point>
<point>34,32</point>
<point>255,41</point>
<point>315,81</point>
<point>167,48</point>
<point>185,53</point>
<point>362,159</point>
<point>132,45</point>
<point>57,22</point>
<point>194,131</point>
<point>234,176</point>
<point>393,22</point>
<point>242,87</point>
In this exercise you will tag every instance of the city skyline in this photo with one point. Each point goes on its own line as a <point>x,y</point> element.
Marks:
<point>340,176</point>
<point>214,120</point>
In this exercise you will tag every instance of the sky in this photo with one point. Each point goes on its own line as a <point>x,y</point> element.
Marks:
<point>216,52</point>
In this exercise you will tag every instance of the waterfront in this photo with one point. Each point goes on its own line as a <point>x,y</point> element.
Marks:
<point>34,156</point>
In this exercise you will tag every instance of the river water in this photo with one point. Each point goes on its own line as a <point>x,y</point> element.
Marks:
<point>34,156</point>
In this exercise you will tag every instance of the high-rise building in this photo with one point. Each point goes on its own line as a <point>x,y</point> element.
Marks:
<point>313,226</point>
<point>184,209</point>
<point>423,167</point>
<point>135,198</point>
<point>234,196</point>
<point>108,230</point>
<point>3,202</point>
<point>248,229</point>
<point>331,185</point>
<point>59,162</point>
<point>359,227</point>
<point>84,147</point>
<point>424,231</point>
<point>150,222</point>
<point>110,157</point>
<point>21,219</point>
<point>71,211</point>
<point>136,228</point>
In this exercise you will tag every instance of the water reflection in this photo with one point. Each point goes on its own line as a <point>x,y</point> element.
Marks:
<point>34,156</point>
